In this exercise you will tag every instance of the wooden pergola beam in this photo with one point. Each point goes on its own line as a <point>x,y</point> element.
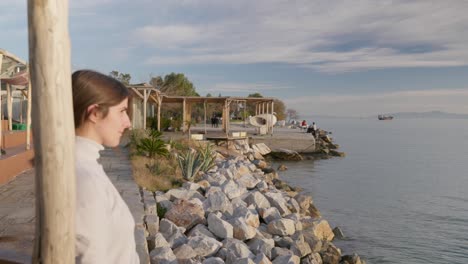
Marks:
<point>54,133</point>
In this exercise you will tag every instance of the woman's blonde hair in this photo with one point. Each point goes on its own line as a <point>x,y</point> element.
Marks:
<point>91,87</point>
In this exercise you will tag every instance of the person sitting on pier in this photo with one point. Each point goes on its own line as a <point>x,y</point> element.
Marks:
<point>304,125</point>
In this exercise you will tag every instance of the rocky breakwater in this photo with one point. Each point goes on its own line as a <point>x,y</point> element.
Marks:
<point>235,213</point>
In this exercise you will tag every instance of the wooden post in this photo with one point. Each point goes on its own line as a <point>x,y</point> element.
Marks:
<point>183,116</point>
<point>54,133</point>
<point>145,100</point>
<point>263,108</point>
<point>28,121</point>
<point>272,111</point>
<point>9,107</point>
<point>204,119</point>
<point>159,112</point>
<point>1,116</point>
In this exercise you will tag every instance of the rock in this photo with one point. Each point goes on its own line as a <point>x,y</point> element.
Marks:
<point>248,181</point>
<point>286,259</point>
<point>260,164</point>
<point>262,259</point>
<point>159,241</point>
<point>261,246</point>
<point>277,251</point>
<point>282,167</point>
<point>337,153</point>
<point>258,200</point>
<point>330,254</point>
<point>203,245</point>
<point>283,242</point>
<point>277,200</point>
<point>269,214</point>
<point>286,154</point>
<point>162,255</point>
<point>351,259</point>
<point>172,233</point>
<point>242,230</point>
<point>304,201</point>
<point>150,207</point>
<point>213,260</point>
<point>152,224</point>
<point>186,214</point>
<point>250,215</point>
<point>312,259</point>
<point>199,230</point>
<point>232,189</point>
<point>262,186</point>
<point>282,227</point>
<point>236,249</point>
<point>338,233</point>
<point>191,186</point>
<point>204,184</point>
<point>322,230</point>
<point>313,211</point>
<point>184,252</point>
<point>261,148</point>
<point>300,248</point>
<point>314,243</point>
<point>165,205</point>
<point>219,227</point>
<point>244,261</point>
<point>293,205</point>
<point>217,201</point>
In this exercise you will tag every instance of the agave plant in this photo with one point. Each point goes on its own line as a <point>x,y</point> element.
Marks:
<point>152,145</point>
<point>207,157</point>
<point>190,163</point>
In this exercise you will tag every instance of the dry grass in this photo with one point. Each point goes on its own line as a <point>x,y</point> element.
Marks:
<point>158,174</point>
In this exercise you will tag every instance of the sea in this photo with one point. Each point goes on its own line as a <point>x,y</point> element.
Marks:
<point>401,193</point>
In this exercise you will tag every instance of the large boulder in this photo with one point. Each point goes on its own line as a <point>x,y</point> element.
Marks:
<point>322,230</point>
<point>219,227</point>
<point>261,148</point>
<point>217,201</point>
<point>257,199</point>
<point>330,254</point>
<point>186,214</point>
<point>286,154</point>
<point>351,259</point>
<point>242,230</point>
<point>277,200</point>
<point>172,233</point>
<point>282,227</point>
<point>204,246</point>
<point>162,255</point>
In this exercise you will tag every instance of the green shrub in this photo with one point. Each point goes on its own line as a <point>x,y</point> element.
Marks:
<point>152,145</point>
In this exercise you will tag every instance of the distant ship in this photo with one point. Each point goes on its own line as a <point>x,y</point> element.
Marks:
<point>385,117</point>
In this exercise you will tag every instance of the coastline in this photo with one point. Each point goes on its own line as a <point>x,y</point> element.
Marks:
<point>239,210</point>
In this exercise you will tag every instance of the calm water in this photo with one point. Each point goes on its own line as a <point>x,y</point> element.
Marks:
<point>401,193</point>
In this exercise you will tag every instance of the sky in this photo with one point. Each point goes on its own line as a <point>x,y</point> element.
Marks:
<point>333,57</point>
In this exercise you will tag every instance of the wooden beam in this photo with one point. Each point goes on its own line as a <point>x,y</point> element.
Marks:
<point>138,93</point>
<point>9,107</point>
<point>183,116</point>
<point>145,101</point>
<point>28,121</point>
<point>272,111</point>
<point>1,117</point>
<point>159,114</point>
<point>204,119</point>
<point>54,133</point>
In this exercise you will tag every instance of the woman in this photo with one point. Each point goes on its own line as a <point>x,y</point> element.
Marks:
<point>104,224</point>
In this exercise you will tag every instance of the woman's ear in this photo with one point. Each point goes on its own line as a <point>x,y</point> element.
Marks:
<point>93,113</point>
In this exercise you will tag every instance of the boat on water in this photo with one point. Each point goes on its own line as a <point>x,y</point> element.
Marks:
<point>385,117</point>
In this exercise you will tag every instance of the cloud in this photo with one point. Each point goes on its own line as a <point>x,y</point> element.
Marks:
<point>322,35</point>
<point>453,100</point>
<point>244,87</point>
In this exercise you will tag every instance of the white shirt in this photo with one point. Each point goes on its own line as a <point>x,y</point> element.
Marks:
<point>104,224</point>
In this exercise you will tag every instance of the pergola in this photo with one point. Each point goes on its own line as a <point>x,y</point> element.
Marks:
<point>149,94</point>
<point>14,73</point>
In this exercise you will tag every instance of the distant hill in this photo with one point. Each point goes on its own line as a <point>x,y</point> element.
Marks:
<point>432,114</point>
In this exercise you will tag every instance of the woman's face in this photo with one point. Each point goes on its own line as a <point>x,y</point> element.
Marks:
<point>111,127</point>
